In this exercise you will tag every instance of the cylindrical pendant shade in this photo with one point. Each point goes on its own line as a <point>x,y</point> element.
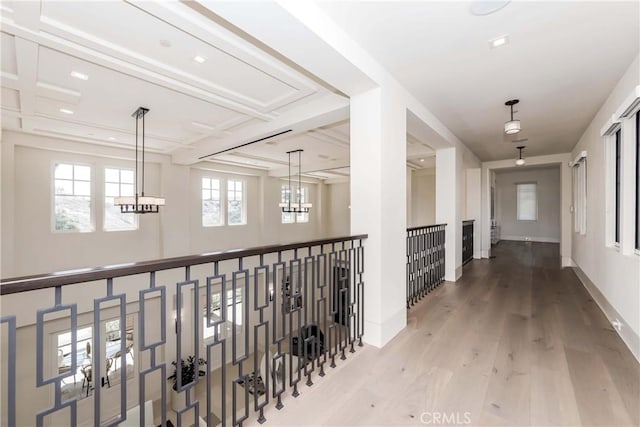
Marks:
<point>511,127</point>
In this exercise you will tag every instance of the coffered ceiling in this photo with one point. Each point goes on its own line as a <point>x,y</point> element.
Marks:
<point>132,54</point>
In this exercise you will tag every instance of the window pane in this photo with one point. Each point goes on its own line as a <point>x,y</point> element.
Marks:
<point>82,172</point>
<point>64,187</point>
<point>126,189</point>
<point>206,183</point>
<point>527,202</point>
<point>72,198</point>
<point>211,214</point>
<point>235,212</point>
<point>73,213</point>
<point>112,190</point>
<point>111,175</point>
<point>206,194</point>
<point>64,171</point>
<point>126,176</point>
<point>215,183</point>
<point>82,188</point>
<point>617,186</point>
<point>114,219</point>
<point>638,181</point>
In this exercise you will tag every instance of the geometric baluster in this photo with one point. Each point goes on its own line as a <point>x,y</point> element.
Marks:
<point>56,380</point>
<point>152,346</point>
<point>11,368</point>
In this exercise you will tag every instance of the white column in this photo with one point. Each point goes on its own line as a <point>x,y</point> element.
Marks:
<point>448,204</point>
<point>378,208</point>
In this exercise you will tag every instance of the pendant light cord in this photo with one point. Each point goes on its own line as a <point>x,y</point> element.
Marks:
<point>299,179</point>
<point>137,160</point>
<point>289,198</point>
<point>143,154</point>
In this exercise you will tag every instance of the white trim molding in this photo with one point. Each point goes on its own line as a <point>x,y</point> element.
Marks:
<point>530,239</point>
<point>611,126</point>
<point>630,106</point>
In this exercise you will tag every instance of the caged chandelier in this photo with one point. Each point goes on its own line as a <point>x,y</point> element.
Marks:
<point>297,207</point>
<point>139,204</point>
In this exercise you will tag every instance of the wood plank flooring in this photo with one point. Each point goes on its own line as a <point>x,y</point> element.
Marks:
<point>517,341</point>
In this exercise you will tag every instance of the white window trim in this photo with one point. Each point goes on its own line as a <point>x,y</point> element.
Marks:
<point>52,193</point>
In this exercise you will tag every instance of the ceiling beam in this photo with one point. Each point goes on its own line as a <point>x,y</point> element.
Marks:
<point>318,112</point>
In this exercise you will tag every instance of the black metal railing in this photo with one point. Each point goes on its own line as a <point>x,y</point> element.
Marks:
<point>253,323</point>
<point>467,241</point>
<point>425,260</point>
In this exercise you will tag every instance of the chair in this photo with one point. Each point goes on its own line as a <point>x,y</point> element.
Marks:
<point>108,365</point>
<point>87,374</point>
<point>315,344</point>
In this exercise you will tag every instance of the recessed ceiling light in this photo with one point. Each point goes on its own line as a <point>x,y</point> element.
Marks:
<point>112,138</point>
<point>199,59</point>
<point>422,160</point>
<point>66,111</point>
<point>499,41</point>
<point>487,7</point>
<point>79,75</point>
<point>165,43</point>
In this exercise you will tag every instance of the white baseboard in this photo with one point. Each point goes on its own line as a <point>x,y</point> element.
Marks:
<point>379,334</point>
<point>530,239</point>
<point>628,335</point>
<point>567,262</point>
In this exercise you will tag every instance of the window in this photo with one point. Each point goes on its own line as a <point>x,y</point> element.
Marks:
<point>81,383</point>
<point>618,173</point>
<point>118,183</point>
<point>216,314</point>
<point>211,202</point>
<point>637,246</point>
<point>72,198</point>
<point>527,202</point>
<point>580,196</point>
<point>290,218</point>
<point>236,212</point>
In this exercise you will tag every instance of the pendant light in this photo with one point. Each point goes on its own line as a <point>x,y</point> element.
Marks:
<point>139,204</point>
<point>520,161</point>
<point>296,207</point>
<point>512,126</point>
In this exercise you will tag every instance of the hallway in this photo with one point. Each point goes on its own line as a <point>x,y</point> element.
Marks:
<point>516,341</point>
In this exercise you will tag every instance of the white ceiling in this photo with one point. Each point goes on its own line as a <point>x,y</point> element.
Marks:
<point>141,54</point>
<point>563,60</point>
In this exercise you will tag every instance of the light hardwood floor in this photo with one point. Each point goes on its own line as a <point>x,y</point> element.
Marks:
<point>516,341</point>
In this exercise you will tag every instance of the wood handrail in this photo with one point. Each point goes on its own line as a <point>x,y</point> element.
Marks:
<point>69,277</point>
<point>425,226</point>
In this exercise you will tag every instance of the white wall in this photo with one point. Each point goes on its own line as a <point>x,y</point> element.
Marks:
<point>38,249</point>
<point>29,245</point>
<point>338,201</point>
<point>423,197</point>
<point>612,276</point>
<point>547,227</point>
